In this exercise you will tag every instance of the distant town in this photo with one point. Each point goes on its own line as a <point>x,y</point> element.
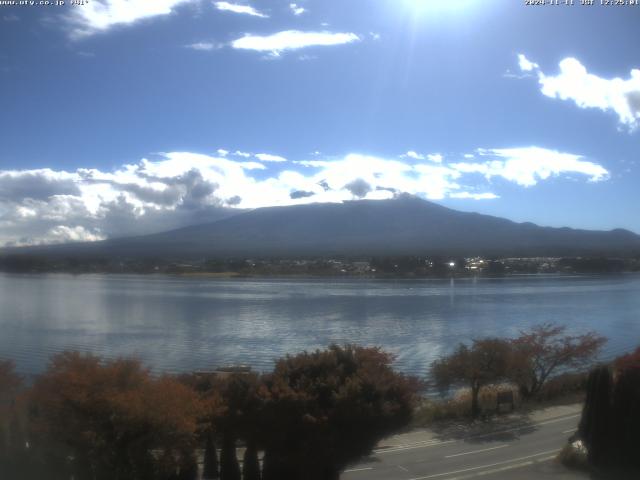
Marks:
<point>369,267</point>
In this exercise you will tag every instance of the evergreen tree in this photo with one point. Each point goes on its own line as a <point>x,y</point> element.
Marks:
<point>594,428</point>
<point>210,470</point>
<point>188,467</point>
<point>229,467</point>
<point>626,422</point>
<point>250,464</point>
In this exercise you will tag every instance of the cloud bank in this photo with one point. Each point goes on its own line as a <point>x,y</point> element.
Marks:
<point>527,166</point>
<point>184,188</point>
<point>586,90</point>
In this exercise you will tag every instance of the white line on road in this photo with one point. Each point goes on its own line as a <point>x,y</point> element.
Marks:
<point>561,419</point>
<point>485,466</point>
<point>504,469</point>
<point>437,443</point>
<point>433,443</point>
<point>475,451</point>
<point>546,422</point>
<point>571,430</point>
<point>358,469</point>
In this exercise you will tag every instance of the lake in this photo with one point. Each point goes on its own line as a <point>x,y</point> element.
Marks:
<point>178,323</point>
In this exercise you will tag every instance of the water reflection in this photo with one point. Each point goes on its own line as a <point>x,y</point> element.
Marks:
<point>181,324</point>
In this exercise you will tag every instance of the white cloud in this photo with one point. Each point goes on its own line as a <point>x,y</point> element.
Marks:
<point>297,9</point>
<point>474,196</point>
<point>525,64</point>
<point>414,155</point>
<point>183,188</point>
<point>239,153</point>
<point>586,90</point>
<point>291,40</point>
<point>64,234</point>
<point>267,157</point>
<point>432,157</point>
<point>101,15</point>
<point>202,46</point>
<point>222,152</point>
<point>253,166</point>
<point>383,176</point>
<point>527,166</point>
<point>237,8</point>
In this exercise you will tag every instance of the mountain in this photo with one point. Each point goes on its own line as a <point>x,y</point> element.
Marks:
<point>403,226</point>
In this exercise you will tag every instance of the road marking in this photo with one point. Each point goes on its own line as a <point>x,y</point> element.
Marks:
<point>524,425</point>
<point>436,443</point>
<point>403,468</point>
<point>431,443</point>
<point>476,451</point>
<point>555,420</point>
<point>358,469</point>
<point>504,469</point>
<point>485,466</point>
<point>571,430</point>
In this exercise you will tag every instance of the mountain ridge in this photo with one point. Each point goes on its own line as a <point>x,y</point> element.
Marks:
<point>406,225</point>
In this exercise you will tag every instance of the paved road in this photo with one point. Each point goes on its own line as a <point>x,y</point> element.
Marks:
<point>521,448</point>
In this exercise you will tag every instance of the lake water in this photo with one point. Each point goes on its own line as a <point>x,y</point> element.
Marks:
<point>178,324</point>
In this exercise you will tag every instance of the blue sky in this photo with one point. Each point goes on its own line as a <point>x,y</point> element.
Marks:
<point>127,117</point>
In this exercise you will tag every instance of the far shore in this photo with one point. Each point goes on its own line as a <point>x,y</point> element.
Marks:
<point>329,276</point>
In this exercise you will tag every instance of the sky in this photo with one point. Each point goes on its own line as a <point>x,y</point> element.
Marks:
<point>129,117</point>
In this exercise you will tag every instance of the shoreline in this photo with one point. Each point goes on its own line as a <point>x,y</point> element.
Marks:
<point>333,276</point>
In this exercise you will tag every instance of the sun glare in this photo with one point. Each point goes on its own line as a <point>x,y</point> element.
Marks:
<point>439,7</point>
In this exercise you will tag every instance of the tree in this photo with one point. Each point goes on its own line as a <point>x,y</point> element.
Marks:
<point>109,416</point>
<point>626,417</point>
<point>211,409</point>
<point>630,360</point>
<point>595,428</point>
<point>239,418</point>
<point>322,410</point>
<point>250,464</point>
<point>486,361</point>
<point>210,467</point>
<point>544,350</point>
<point>229,467</point>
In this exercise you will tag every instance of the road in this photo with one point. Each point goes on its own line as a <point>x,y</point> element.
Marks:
<point>521,448</point>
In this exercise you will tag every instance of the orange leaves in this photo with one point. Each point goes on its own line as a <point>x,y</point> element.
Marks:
<point>113,413</point>
<point>631,360</point>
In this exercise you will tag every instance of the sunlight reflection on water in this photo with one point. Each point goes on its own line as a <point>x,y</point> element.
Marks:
<point>180,324</point>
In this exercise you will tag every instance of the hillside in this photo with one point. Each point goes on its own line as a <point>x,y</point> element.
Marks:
<point>402,226</point>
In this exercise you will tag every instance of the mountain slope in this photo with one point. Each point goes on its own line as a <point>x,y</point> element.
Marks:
<point>403,226</point>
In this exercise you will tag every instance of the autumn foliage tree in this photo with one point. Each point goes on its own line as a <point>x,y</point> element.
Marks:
<point>545,349</point>
<point>486,361</point>
<point>113,419</point>
<point>212,408</point>
<point>325,409</point>
<point>628,361</point>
